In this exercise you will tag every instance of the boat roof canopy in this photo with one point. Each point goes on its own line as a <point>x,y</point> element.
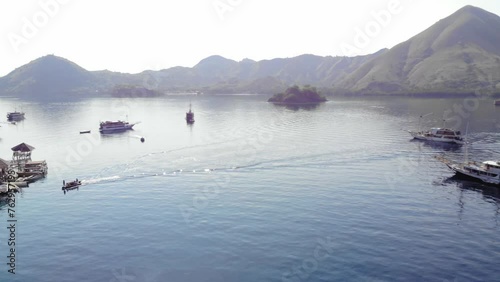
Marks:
<point>23,147</point>
<point>448,130</point>
<point>493,163</point>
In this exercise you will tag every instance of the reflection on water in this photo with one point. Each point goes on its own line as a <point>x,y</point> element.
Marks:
<point>296,107</point>
<point>445,147</point>
<point>489,191</point>
<point>3,202</point>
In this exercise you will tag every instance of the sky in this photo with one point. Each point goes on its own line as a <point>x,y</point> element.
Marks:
<point>132,36</point>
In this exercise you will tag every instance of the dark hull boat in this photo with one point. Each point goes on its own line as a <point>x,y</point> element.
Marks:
<point>190,116</point>
<point>71,185</point>
<point>13,116</point>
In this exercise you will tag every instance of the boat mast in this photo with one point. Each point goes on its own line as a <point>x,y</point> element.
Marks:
<point>466,144</point>
<point>420,121</point>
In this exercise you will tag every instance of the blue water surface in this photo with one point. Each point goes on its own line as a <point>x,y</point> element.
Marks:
<point>252,192</point>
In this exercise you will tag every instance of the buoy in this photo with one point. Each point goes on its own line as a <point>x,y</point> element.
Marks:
<point>142,139</point>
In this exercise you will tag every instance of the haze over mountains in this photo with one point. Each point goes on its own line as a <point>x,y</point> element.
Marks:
<point>458,54</point>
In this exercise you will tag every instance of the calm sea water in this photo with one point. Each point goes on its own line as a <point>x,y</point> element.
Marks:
<point>252,192</point>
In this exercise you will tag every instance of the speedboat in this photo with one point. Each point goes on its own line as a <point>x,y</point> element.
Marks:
<point>15,115</point>
<point>114,126</point>
<point>437,134</point>
<point>71,185</point>
<point>487,171</point>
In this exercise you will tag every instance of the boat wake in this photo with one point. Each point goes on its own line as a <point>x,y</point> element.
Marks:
<point>100,180</point>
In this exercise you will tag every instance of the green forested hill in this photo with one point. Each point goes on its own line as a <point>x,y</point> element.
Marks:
<point>458,54</point>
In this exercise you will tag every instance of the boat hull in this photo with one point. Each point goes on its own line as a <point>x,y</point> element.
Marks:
<point>461,171</point>
<point>117,129</point>
<point>20,183</point>
<point>423,137</point>
<point>71,185</point>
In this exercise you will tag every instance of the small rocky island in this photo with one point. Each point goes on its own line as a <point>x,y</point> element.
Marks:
<point>296,96</point>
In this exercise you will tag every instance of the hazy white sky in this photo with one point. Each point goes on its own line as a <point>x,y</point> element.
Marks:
<point>132,36</point>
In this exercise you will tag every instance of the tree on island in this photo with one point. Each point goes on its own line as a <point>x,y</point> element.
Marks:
<point>297,95</point>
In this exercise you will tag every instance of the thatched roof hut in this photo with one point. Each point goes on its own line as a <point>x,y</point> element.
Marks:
<point>23,147</point>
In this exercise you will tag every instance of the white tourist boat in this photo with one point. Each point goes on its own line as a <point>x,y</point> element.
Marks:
<point>438,134</point>
<point>487,171</point>
<point>114,126</point>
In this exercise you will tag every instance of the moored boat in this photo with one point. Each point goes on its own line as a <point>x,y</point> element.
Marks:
<point>15,115</point>
<point>190,116</point>
<point>487,171</point>
<point>497,102</point>
<point>7,187</point>
<point>114,126</point>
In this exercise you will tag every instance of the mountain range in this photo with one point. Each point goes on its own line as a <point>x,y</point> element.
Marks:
<point>459,54</point>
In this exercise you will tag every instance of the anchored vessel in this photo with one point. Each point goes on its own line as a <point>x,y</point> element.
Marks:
<point>6,187</point>
<point>15,115</point>
<point>487,171</point>
<point>190,116</point>
<point>437,134</point>
<point>114,126</point>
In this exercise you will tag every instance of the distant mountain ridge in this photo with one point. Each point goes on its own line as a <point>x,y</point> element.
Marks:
<point>458,54</point>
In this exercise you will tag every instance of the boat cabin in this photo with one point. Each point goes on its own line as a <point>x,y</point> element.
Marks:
<point>492,165</point>
<point>445,132</point>
<point>480,172</point>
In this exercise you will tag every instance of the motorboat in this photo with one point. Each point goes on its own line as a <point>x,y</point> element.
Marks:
<point>7,187</point>
<point>15,116</point>
<point>20,183</point>
<point>71,185</point>
<point>31,178</point>
<point>115,126</point>
<point>487,171</point>
<point>438,134</point>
